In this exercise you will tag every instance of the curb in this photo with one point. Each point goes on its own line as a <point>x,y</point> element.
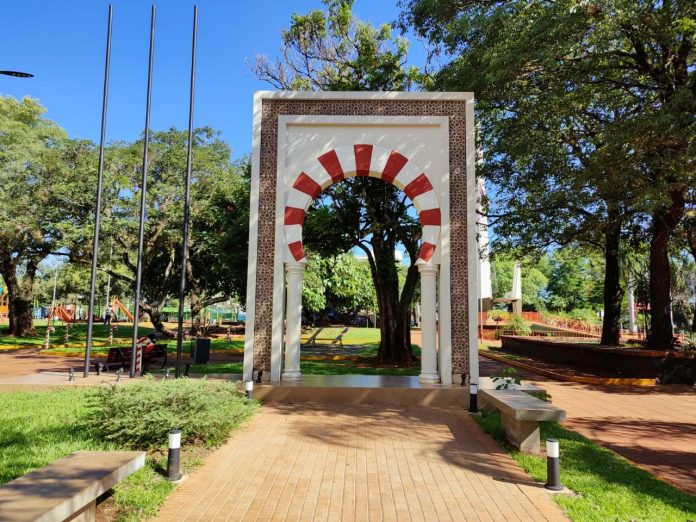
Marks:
<point>598,381</point>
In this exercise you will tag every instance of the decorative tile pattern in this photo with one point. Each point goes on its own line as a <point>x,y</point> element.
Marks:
<point>271,109</point>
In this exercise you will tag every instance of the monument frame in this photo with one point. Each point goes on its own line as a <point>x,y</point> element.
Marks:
<point>363,129</point>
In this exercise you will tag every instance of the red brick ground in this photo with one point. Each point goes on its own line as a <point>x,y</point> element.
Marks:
<point>24,362</point>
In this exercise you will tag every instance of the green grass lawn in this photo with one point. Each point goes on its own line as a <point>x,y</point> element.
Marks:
<point>77,334</point>
<point>37,428</point>
<point>100,335</point>
<point>354,335</point>
<point>233,346</point>
<point>363,367</point>
<point>608,487</point>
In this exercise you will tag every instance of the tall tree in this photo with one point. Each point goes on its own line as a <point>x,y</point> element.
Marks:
<point>634,62</point>
<point>333,50</point>
<point>218,200</point>
<point>340,283</point>
<point>45,186</point>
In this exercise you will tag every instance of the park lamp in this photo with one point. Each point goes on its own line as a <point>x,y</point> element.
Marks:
<point>17,74</point>
<point>553,465</point>
<point>174,455</point>
<point>473,398</point>
<point>249,387</point>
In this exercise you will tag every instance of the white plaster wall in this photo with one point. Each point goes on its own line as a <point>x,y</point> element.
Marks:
<point>423,140</point>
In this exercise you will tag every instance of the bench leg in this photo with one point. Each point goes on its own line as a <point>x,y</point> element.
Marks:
<point>524,435</point>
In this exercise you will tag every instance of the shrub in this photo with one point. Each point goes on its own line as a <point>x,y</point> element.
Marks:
<point>498,315</point>
<point>585,315</point>
<point>516,324</point>
<point>140,415</point>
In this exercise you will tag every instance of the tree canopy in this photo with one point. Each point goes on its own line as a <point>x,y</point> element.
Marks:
<point>587,122</point>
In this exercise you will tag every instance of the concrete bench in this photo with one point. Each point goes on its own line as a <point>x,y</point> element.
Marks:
<point>487,383</point>
<point>338,340</point>
<point>67,489</point>
<point>520,415</point>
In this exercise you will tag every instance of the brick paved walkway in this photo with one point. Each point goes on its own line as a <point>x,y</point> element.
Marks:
<point>654,427</point>
<point>28,361</point>
<point>345,462</point>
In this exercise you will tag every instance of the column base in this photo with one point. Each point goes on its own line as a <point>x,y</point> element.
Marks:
<point>291,375</point>
<point>429,378</point>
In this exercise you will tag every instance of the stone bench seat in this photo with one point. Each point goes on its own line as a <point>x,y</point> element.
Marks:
<point>487,383</point>
<point>520,415</point>
<point>68,488</point>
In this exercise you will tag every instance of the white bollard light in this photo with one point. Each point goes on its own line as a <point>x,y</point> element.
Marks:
<point>249,387</point>
<point>473,398</point>
<point>553,465</point>
<point>174,455</point>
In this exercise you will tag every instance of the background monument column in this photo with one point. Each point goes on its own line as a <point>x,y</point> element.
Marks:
<point>429,372</point>
<point>293,318</point>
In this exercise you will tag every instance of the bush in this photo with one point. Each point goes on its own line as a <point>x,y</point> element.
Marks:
<point>139,415</point>
<point>498,315</point>
<point>585,315</point>
<point>516,324</point>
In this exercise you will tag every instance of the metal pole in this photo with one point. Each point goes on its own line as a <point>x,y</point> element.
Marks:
<point>97,210</point>
<point>143,192</point>
<point>187,200</point>
<point>107,308</point>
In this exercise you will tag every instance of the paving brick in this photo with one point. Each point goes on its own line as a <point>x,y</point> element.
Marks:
<point>356,462</point>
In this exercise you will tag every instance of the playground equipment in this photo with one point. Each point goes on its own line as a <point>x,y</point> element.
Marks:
<point>61,313</point>
<point>4,306</point>
<point>117,305</point>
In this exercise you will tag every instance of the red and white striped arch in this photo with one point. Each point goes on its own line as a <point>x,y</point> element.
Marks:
<point>363,160</point>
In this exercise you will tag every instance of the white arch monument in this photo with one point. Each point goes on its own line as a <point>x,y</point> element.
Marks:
<point>422,143</point>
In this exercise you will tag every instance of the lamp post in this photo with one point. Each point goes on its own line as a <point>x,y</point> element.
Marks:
<point>17,74</point>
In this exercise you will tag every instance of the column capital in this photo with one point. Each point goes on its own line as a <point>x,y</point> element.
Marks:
<point>295,266</point>
<point>428,269</point>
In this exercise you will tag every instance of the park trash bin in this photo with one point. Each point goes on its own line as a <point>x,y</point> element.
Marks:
<point>202,351</point>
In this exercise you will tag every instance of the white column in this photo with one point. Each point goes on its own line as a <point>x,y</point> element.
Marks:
<point>293,320</point>
<point>428,276</point>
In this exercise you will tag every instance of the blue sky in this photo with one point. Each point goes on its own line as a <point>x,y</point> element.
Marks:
<point>63,45</point>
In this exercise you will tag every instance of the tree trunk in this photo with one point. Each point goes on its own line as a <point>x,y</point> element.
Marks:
<point>665,221</point>
<point>613,292</point>
<point>691,241</point>
<point>196,311</point>
<point>155,313</point>
<point>395,342</point>
<point>661,335</point>
<point>19,294</point>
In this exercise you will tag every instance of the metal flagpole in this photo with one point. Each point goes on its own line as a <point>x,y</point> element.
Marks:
<point>143,192</point>
<point>108,281</point>
<point>187,199</point>
<point>97,210</point>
